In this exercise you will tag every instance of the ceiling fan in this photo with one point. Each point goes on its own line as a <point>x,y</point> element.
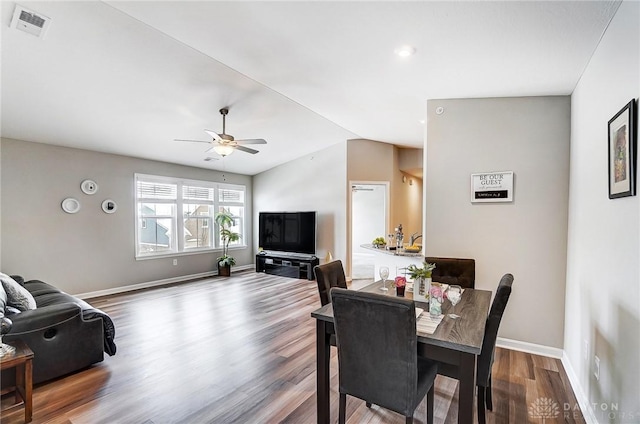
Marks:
<point>224,144</point>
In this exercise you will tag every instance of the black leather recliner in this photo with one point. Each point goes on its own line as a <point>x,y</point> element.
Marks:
<point>65,333</point>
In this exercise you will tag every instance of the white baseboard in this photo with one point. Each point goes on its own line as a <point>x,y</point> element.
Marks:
<point>527,347</point>
<point>124,289</point>
<point>581,397</point>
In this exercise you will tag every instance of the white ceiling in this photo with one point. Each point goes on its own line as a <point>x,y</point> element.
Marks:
<point>129,77</point>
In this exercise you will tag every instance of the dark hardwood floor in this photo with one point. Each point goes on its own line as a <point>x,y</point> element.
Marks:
<point>241,349</point>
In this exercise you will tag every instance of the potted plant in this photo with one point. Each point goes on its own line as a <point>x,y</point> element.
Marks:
<point>421,277</point>
<point>225,221</point>
<point>424,271</point>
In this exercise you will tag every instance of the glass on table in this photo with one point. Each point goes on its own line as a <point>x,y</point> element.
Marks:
<point>454,294</point>
<point>384,274</point>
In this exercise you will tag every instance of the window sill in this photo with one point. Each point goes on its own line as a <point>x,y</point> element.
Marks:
<point>187,253</point>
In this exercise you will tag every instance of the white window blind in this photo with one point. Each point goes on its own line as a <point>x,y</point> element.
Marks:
<point>230,195</point>
<point>154,190</point>
<point>197,193</point>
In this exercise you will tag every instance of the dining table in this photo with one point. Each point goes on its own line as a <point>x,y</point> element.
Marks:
<point>455,344</point>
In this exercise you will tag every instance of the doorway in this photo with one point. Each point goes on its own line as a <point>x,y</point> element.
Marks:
<point>369,212</point>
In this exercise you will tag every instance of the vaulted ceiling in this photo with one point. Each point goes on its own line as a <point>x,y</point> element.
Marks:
<point>130,77</point>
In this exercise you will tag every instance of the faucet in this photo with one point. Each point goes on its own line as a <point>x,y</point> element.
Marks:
<point>414,238</point>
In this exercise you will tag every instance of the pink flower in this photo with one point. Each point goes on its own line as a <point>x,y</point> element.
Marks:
<point>401,281</point>
<point>436,291</point>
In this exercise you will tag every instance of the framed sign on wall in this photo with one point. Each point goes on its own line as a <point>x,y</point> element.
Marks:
<point>492,187</point>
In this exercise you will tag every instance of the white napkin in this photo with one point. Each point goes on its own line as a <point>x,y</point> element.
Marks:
<point>426,324</point>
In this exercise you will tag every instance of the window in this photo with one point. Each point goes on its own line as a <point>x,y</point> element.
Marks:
<point>161,200</point>
<point>231,200</point>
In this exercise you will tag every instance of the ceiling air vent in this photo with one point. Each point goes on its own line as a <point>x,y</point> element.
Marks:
<point>30,22</point>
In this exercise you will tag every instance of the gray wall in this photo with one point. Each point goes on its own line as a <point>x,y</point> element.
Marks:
<point>527,237</point>
<point>88,251</point>
<point>603,268</point>
<point>316,182</point>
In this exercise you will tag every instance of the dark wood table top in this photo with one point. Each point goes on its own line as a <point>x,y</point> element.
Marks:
<point>464,334</point>
<point>21,354</point>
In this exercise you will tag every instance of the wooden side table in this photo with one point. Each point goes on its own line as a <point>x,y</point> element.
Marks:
<point>22,361</point>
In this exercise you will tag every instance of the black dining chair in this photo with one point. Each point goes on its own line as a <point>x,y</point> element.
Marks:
<point>329,275</point>
<point>461,272</point>
<point>485,360</point>
<point>378,353</point>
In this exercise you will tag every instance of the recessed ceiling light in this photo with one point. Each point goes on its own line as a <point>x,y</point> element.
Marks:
<point>405,51</point>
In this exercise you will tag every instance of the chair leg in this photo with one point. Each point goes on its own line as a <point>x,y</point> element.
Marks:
<point>430,403</point>
<point>480,402</point>
<point>488,395</point>
<point>342,408</point>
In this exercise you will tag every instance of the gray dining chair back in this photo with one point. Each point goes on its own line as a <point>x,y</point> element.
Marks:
<point>378,353</point>
<point>485,360</point>
<point>454,271</point>
<point>329,275</point>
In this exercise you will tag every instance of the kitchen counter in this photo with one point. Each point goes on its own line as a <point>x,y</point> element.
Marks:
<point>384,251</point>
<point>396,262</point>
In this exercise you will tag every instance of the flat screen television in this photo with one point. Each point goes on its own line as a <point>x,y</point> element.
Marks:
<point>293,232</point>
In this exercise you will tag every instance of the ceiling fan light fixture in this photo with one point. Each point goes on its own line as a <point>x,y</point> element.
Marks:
<point>223,149</point>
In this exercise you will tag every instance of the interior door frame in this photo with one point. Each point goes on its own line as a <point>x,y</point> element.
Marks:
<point>387,215</point>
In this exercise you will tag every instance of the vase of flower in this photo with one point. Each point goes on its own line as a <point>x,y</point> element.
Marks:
<point>436,296</point>
<point>401,283</point>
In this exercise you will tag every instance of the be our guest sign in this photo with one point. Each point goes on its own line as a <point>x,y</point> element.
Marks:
<point>492,187</point>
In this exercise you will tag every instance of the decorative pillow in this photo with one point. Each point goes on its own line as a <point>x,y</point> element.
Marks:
<point>3,301</point>
<point>17,296</point>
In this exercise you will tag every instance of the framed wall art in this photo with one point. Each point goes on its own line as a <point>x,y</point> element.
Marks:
<point>622,152</point>
<point>492,187</point>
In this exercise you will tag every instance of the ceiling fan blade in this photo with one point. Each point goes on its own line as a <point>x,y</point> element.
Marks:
<point>252,141</point>
<point>194,141</point>
<point>246,149</point>
<point>215,136</point>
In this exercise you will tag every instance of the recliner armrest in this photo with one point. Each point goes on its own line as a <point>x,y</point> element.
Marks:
<point>40,318</point>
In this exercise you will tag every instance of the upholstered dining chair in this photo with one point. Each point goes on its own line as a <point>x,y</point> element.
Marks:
<point>329,275</point>
<point>485,360</point>
<point>454,271</point>
<point>378,353</point>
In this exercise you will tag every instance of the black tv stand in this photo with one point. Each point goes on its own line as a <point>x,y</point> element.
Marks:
<point>295,265</point>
